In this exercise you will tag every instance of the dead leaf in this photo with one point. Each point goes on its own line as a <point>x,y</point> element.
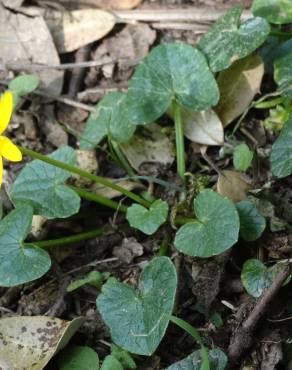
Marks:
<point>106,4</point>
<point>150,145</point>
<point>85,160</point>
<point>30,342</point>
<point>72,30</point>
<point>26,39</point>
<point>129,249</point>
<point>203,127</point>
<point>111,193</point>
<point>12,4</point>
<point>238,85</point>
<point>232,185</point>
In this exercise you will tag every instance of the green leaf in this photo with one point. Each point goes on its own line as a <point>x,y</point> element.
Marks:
<point>42,186</point>
<point>283,66</point>
<point>215,229</point>
<point>252,223</point>
<point>111,363</point>
<point>23,85</point>
<point>275,11</point>
<point>242,157</point>
<point>110,118</point>
<point>228,40</point>
<point>170,72</point>
<point>281,156</point>
<point>138,319</point>
<point>78,358</point>
<point>217,359</point>
<point>256,277</point>
<point>124,357</point>
<point>19,263</point>
<point>148,220</point>
<point>94,278</point>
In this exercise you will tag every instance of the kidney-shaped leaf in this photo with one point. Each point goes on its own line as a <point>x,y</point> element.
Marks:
<point>110,118</point>
<point>217,360</point>
<point>138,319</point>
<point>30,342</point>
<point>20,263</point>
<point>275,11</point>
<point>228,41</point>
<point>215,229</point>
<point>256,277</point>
<point>281,156</point>
<point>252,223</point>
<point>148,220</point>
<point>42,186</point>
<point>171,72</point>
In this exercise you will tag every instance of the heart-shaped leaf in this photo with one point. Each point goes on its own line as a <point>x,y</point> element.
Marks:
<point>170,72</point>
<point>20,263</point>
<point>252,223</point>
<point>217,359</point>
<point>228,40</point>
<point>42,186</point>
<point>281,156</point>
<point>256,277</point>
<point>138,319</point>
<point>275,11</point>
<point>148,220</point>
<point>78,358</point>
<point>30,342</point>
<point>242,157</point>
<point>110,118</point>
<point>215,229</point>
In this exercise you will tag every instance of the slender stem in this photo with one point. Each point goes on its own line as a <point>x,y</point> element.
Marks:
<point>99,199</point>
<point>179,138</point>
<point>67,240</point>
<point>123,161</point>
<point>88,175</point>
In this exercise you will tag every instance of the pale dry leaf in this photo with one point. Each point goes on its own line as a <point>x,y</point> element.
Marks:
<point>12,4</point>
<point>110,4</point>
<point>26,39</point>
<point>150,145</point>
<point>87,161</point>
<point>30,342</point>
<point>238,85</point>
<point>111,193</point>
<point>232,185</point>
<point>203,127</point>
<point>72,30</point>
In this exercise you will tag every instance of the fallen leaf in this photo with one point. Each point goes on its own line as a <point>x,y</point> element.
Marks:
<point>26,39</point>
<point>28,342</point>
<point>105,4</point>
<point>150,145</point>
<point>238,85</point>
<point>203,127</point>
<point>232,185</point>
<point>72,30</point>
<point>12,4</point>
<point>87,161</point>
<point>111,193</point>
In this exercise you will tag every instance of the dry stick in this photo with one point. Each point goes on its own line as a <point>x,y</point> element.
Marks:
<point>242,339</point>
<point>78,74</point>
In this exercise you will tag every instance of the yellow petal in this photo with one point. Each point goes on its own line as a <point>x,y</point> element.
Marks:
<point>8,150</point>
<point>1,170</point>
<point>6,108</point>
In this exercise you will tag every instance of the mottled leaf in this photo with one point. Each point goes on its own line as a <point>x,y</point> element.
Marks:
<point>275,11</point>
<point>139,318</point>
<point>252,223</point>
<point>215,229</point>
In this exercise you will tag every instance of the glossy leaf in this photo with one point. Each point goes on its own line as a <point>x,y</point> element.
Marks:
<point>228,40</point>
<point>252,223</point>
<point>148,220</point>
<point>281,156</point>
<point>138,318</point>
<point>242,157</point>
<point>78,358</point>
<point>170,72</point>
<point>110,118</point>
<point>215,229</point>
<point>275,11</point>
<point>43,187</point>
<point>20,263</point>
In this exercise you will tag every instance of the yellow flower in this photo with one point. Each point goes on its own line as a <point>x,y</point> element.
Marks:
<point>7,149</point>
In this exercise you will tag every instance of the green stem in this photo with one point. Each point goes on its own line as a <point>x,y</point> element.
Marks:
<point>67,240</point>
<point>99,199</point>
<point>179,138</point>
<point>123,161</point>
<point>85,174</point>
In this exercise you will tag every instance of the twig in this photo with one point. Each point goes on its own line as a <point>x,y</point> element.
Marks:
<point>242,338</point>
<point>77,76</point>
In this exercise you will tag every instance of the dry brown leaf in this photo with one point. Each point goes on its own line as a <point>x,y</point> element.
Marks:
<point>26,39</point>
<point>232,185</point>
<point>28,342</point>
<point>72,30</point>
<point>111,193</point>
<point>238,85</point>
<point>106,4</point>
